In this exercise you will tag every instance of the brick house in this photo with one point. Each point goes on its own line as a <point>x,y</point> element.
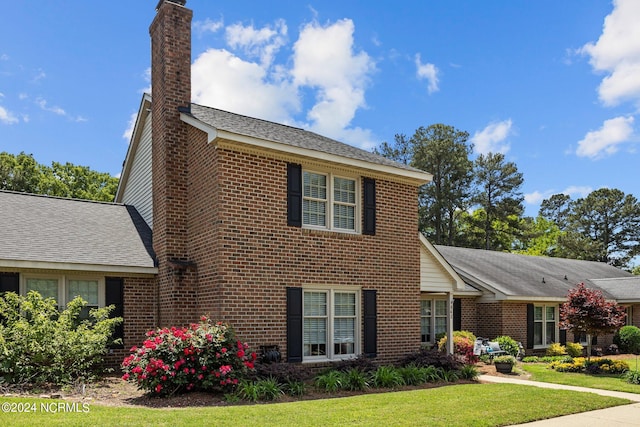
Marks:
<point>297,240</point>
<point>519,295</point>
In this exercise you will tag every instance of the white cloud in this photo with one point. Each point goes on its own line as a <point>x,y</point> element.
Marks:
<point>325,61</point>
<point>324,69</point>
<point>605,141</point>
<point>262,43</point>
<point>492,138</point>
<point>429,72</point>
<point>573,191</point>
<point>6,117</point>
<point>617,53</point>
<point>43,104</point>
<point>128,133</point>
<point>207,26</point>
<point>4,57</point>
<point>241,86</point>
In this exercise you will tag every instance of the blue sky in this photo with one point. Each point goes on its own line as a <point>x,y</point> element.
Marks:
<point>555,86</point>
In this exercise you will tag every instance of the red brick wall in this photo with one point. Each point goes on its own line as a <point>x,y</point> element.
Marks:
<point>469,314</point>
<point>247,255</point>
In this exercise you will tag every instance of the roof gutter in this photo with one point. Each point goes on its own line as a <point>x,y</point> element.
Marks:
<point>102,268</point>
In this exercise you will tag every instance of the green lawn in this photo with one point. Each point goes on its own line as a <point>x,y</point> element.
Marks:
<point>456,405</point>
<point>542,372</point>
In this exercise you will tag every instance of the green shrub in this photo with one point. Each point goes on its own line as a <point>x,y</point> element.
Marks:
<point>508,344</point>
<point>432,374</point>
<point>355,380</point>
<point>269,389</point>
<point>469,372</point>
<point>556,349</point>
<point>413,375</point>
<point>627,339</point>
<point>330,381</point>
<point>463,343</point>
<point>574,349</point>
<point>632,377</point>
<point>295,388</point>
<point>205,356</point>
<point>593,366</point>
<point>386,377</point>
<point>40,344</point>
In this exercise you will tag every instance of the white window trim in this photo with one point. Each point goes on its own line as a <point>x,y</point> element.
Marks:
<point>433,317</point>
<point>544,322</point>
<point>330,356</point>
<point>63,283</point>
<point>330,202</point>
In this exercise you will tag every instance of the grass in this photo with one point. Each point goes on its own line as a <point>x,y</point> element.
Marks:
<point>542,372</point>
<point>456,405</point>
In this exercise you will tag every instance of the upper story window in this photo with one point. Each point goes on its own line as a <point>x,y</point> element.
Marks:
<point>329,201</point>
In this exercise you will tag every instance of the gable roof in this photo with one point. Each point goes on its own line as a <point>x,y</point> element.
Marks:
<point>221,124</point>
<point>68,234</point>
<point>525,277</point>
<point>624,290</point>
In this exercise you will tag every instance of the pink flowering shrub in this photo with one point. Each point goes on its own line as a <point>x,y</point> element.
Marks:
<point>204,356</point>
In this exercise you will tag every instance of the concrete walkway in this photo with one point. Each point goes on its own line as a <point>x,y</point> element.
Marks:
<point>625,415</point>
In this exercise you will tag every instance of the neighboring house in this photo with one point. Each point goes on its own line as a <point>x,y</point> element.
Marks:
<point>519,295</point>
<point>63,248</point>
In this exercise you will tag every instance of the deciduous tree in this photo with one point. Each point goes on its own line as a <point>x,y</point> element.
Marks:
<point>586,311</point>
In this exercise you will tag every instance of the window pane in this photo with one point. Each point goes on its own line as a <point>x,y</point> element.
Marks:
<point>87,289</point>
<point>537,333</point>
<point>425,329</point>
<point>314,213</point>
<point>315,186</point>
<point>425,307</point>
<point>441,325</point>
<point>315,337</point>
<point>441,308</point>
<point>345,304</point>
<point>344,190</point>
<point>344,336</point>
<point>315,304</point>
<point>537,313</point>
<point>48,288</point>
<point>551,333</point>
<point>344,217</point>
<point>551,313</point>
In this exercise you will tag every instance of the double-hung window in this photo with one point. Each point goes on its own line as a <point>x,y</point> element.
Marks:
<point>545,325</point>
<point>329,201</point>
<point>330,324</point>
<point>433,319</point>
<point>64,289</point>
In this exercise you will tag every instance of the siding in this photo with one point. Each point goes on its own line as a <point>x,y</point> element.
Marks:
<point>138,190</point>
<point>433,278</point>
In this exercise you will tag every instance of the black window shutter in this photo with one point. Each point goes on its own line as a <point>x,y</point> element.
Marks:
<point>563,337</point>
<point>9,282</point>
<point>529,325</point>
<point>294,325</point>
<point>457,314</point>
<point>369,208</point>
<point>114,295</point>
<point>370,323</point>
<point>294,195</point>
<point>594,340</point>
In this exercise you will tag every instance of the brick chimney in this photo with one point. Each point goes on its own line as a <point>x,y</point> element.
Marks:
<point>171,88</point>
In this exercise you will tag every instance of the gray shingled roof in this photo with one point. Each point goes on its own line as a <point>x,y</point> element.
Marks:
<point>56,230</point>
<point>295,137</point>
<point>522,275</point>
<point>622,289</point>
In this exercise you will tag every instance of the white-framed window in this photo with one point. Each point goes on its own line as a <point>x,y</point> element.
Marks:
<point>330,201</point>
<point>433,319</point>
<point>331,319</point>
<point>545,325</point>
<point>65,288</point>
